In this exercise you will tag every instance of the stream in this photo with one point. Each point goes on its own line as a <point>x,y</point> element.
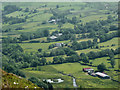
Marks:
<point>74,80</point>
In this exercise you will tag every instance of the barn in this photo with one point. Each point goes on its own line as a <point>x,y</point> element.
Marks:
<point>88,69</point>
<point>102,75</point>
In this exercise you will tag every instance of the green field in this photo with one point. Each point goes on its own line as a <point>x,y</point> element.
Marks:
<point>75,69</point>
<point>31,47</point>
<point>68,13</point>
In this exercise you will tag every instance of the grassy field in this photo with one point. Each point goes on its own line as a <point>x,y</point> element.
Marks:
<point>107,45</point>
<point>31,47</point>
<point>110,42</point>
<point>75,69</point>
<point>106,61</point>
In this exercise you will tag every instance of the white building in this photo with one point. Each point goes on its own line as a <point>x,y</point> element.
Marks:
<point>53,37</point>
<point>102,75</point>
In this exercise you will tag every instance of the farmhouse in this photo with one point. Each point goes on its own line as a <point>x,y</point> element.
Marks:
<point>88,69</point>
<point>52,21</point>
<point>59,34</point>
<point>102,75</point>
<point>53,37</point>
<point>59,44</point>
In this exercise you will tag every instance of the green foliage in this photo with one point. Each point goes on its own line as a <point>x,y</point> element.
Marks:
<point>11,8</point>
<point>37,82</point>
<point>13,20</point>
<point>84,58</point>
<point>101,67</point>
<point>58,60</point>
<point>37,34</point>
<point>112,62</point>
<point>27,10</point>
<point>40,50</point>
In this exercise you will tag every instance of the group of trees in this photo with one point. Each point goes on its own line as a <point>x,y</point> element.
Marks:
<point>46,85</point>
<point>106,36</point>
<point>37,34</point>
<point>13,20</point>
<point>26,36</point>
<point>11,8</point>
<point>12,69</point>
<point>81,45</point>
<point>74,57</point>
<point>57,52</point>
<point>20,59</point>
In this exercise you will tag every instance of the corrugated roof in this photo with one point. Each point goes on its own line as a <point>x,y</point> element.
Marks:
<point>101,74</point>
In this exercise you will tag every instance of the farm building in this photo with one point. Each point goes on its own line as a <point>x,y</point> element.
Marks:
<point>51,21</point>
<point>53,37</point>
<point>102,75</point>
<point>88,69</point>
<point>59,44</point>
<point>59,34</point>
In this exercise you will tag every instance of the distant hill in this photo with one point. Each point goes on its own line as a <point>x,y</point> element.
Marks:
<point>10,80</point>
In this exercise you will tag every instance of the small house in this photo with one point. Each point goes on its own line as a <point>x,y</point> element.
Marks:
<point>53,37</point>
<point>88,69</point>
<point>102,75</point>
<point>59,34</point>
<point>52,21</point>
<point>59,44</point>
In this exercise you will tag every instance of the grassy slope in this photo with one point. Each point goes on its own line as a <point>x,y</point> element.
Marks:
<point>105,44</point>
<point>51,71</point>
<point>8,80</point>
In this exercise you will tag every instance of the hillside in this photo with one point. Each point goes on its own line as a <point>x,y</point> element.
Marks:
<point>10,80</point>
<point>56,41</point>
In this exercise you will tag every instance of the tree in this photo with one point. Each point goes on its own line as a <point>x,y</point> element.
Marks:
<point>84,58</point>
<point>60,25</point>
<point>111,54</point>
<point>34,63</point>
<point>101,67</point>
<point>39,50</point>
<point>74,20</point>
<point>25,65</point>
<point>27,10</point>
<point>44,22</point>
<point>57,6</point>
<point>51,46</point>
<point>112,62</point>
<point>46,33</point>
<point>35,11</point>
<point>43,60</point>
<point>56,60</point>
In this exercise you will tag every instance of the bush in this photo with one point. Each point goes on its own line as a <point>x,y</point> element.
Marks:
<point>101,67</point>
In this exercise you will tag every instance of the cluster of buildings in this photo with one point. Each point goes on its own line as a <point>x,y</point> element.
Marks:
<point>59,44</point>
<point>54,20</point>
<point>99,74</point>
<point>55,36</point>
